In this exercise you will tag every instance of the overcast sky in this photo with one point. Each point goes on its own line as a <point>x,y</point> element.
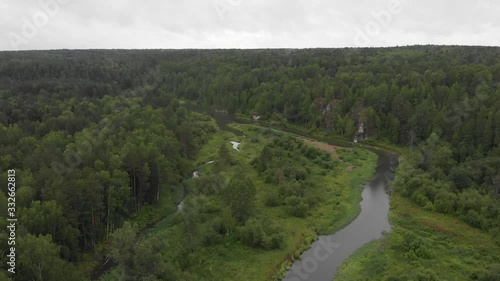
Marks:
<point>96,24</point>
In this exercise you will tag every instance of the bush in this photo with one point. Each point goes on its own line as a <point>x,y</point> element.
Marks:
<point>252,234</point>
<point>423,252</point>
<point>427,275</point>
<point>273,199</point>
<point>311,153</point>
<point>300,174</point>
<point>459,176</point>
<point>292,188</point>
<point>327,165</point>
<point>474,218</point>
<point>212,236</point>
<point>296,206</point>
<point>411,255</point>
<point>445,202</point>
<point>317,161</point>
<point>492,274</point>
<point>269,177</point>
<point>326,157</point>
<point>274,241</point>
<point>261,234</point>
<point>312,200</point>
<point>420,198</point>
<point>429,207</point>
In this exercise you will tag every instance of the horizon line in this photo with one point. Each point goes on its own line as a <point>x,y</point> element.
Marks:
<point>249,49</point>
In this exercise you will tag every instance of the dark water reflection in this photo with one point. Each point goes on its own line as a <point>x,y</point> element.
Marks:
<point>223,119</point>
<point>321,261</point>
<point>368,226</point>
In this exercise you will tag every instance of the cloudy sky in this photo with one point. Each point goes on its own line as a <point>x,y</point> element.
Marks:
<point>79,24</point>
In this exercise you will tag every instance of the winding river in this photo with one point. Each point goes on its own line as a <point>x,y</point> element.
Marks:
<point>326,255</point>
<point>321,261</point>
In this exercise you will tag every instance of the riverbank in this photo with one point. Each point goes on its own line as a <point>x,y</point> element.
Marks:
<point>424,246</point>
<point>342,190</point>
<point>369,225</point>
<point>339,187</point>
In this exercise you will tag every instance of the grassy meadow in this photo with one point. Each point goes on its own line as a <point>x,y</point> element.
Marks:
<point>424,245</point>
<point>335,180</point>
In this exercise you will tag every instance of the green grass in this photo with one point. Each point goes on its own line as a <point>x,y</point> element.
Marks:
<point>451,249</point>
<point>342,190</point>
<point>353,267</point>
<point>321,134</point>
<point>210,151</point>
<point>231,260</point>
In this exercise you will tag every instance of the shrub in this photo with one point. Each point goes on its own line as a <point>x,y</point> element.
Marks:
<point>420,198</point>
<point>292,188</point>
<point>423,252</point>
<point>445,202</point>
<point>429,207</point>
<point>326,157</point>
<point>261,234</point>
<point>296,206</point>
<point>301,174</point>
<point>273,199</point>
<point>274,241</point>
<point>427,275</point>
<point>459,176</point>
<point>311,153</point>
<point>492,274</point>
<point>474,218</point>
<point>411,255</point>
<point>212,236</point>
<point>252,233</point>
<point>312,200</point>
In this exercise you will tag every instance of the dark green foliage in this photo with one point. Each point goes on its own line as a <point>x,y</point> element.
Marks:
<point>240,196</point>
<point>137,259</point>
<point>89,150</point>
<point>445,202</point>
<point>279,164</point>
<point>39,260</point>
<point>98,135</point>
<point>466,189</point>
<point>490,274</point>
<point>296,206</point>
<point>224,156</point>
<point>260,234</point>
<point>460,178</point>
<point>47,218</point>
<point>273,198</point>
<point>414,246</point>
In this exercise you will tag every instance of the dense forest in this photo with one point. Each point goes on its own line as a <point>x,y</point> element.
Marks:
<point>86,163</point>
<point>96,136</point>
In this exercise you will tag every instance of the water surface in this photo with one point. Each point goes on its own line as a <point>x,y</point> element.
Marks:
<point>321,261</point>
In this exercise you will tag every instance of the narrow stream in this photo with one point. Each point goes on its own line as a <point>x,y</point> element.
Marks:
<point>321,261</point>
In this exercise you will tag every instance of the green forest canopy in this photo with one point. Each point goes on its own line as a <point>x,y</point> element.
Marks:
<point>95,133</point>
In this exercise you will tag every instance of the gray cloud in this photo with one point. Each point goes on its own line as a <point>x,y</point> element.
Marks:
<point>76,24</point>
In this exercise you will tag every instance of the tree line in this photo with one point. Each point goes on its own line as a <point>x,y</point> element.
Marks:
<point>86,162</point>
<point>95,134</point>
